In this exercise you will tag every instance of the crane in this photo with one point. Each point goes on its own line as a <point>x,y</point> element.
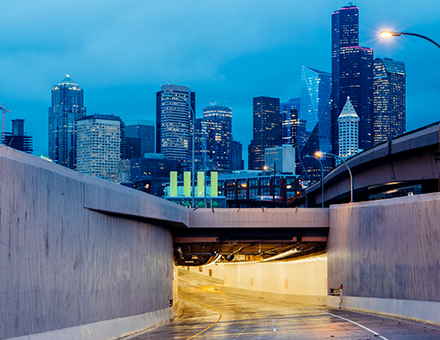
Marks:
<point>3,108</point>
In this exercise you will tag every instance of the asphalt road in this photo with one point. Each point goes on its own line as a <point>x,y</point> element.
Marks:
<point>205,313</point>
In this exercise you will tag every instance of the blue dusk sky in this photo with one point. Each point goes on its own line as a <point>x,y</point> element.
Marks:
<point>121,52</point>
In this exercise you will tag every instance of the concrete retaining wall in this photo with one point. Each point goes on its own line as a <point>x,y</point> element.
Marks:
<point>303,280</point>
<point>64,265</point>
<point>386,254</point>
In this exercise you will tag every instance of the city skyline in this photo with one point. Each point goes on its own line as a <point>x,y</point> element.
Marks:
<point>227,67</point>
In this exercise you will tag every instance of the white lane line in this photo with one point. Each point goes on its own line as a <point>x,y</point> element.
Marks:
<point>355,323</point>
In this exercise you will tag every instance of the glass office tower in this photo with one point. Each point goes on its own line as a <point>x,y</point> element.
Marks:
<point>293,129</point>
<point>389,99</point>
<point>315,111</point>
<point>144,130</point>
<point>217,133</point>
<point>174,121</point>
<point>67,107</point>
<point>352,75</point>
<point>266,130</point>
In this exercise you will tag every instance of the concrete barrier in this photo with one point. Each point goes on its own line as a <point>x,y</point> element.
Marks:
<point>80,255</point>
<point>386,254</point>
<point>422,311</point>
<point>107,330</point>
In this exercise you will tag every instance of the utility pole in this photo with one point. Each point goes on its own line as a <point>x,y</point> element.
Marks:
<point>3,108</point>
<point>273,184</point>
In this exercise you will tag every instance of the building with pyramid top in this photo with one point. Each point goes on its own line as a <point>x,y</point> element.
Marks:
<point>348,123</point>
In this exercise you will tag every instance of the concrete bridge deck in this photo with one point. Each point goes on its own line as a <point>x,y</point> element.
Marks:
<point>408,160</point>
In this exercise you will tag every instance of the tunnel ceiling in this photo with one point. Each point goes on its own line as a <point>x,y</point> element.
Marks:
<point>203,246</point>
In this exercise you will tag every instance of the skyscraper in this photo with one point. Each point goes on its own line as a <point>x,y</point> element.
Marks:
<point>144,130</point>
<point>266,130</point>
<point>389,99</point>
<point>217,132</point>
<point>352,75</point>
<point>237,156</point>
<point>132,148</point>
<point>98,145</point>
<point>294,129</point>
<point>18,139</point>
<point>348,122</point>
<point>315,111</point>
<point>174,121</point>
<point>290,115</point>
<point>67,107</point>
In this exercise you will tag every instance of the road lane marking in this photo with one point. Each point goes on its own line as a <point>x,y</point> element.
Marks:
<point>355,323</point>
<point>200,303</point>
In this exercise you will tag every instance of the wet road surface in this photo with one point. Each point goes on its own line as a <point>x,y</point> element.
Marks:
<point>205,313</point>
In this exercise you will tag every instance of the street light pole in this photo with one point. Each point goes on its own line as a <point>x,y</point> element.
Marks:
<point>265,168</point>
<point>319,154</point>
<point>322,178</point>
<point>388,34</point>
<point>193,142</point>
<point>204,169</point>
<point>273,186</point>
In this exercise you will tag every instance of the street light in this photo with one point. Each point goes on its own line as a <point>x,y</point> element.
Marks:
<point>204,168</point>
<point>193,141</point>
<point>265,168</point>
<point>322,177</point>
<point>320,154</point>
<point>388,34</point>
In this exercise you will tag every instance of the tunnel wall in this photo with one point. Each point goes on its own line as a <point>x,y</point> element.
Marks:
<point>303,280</point>
<point>386,254</point>
<point>68,269</point>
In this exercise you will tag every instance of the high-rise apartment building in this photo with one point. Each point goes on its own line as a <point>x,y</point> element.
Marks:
<point>67,107</point>
<point>217,133</point>
<point>99,145</point>
<point>174,121</point>
<point>348,122</point>
<point>352,75</point>
<point>267,130</point>
<point>315,112</point>
<point>144,130</point>
<point>18,139</point>
<point>389,99</point>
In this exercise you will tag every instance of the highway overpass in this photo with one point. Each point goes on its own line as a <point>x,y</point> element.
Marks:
<point>409,160</point>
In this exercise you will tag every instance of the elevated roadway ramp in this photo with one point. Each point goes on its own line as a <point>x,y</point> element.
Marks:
<point>408,160</point>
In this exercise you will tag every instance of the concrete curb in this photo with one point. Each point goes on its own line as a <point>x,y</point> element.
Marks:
<point>421,311</point>
<point>107,330</point>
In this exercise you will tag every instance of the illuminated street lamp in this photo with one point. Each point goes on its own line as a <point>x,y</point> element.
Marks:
<point>322,176</point>
<point>320,154</point>
<point>193,141</point>
<point>265,168</point>
<point>388,34</point>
